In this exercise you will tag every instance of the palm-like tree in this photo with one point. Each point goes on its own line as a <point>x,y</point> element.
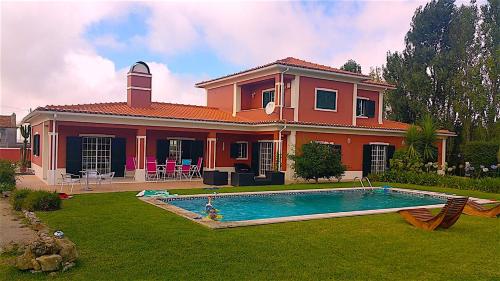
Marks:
<point>412,140</point>
<point>25,133</point>
<point>428,138</point>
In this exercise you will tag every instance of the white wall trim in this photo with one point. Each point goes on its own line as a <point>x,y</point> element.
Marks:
<point>138,88</point>
<point>354,102</point>
<point>380,107</point>
<point>295,96</point>
<point>378,143</point>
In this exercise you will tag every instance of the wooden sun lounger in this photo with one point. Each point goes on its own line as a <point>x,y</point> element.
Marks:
<point>473,208</point>
<point>423,218</point>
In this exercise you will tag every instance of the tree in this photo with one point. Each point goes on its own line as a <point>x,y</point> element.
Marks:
<point>317,161</point>
<point>428,138</point>
<point>352,66</point>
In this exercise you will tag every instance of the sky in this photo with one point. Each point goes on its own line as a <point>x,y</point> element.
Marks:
<point>80,52</point>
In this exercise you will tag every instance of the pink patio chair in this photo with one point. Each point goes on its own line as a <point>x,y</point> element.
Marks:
<point>185,169</point>
<point>130,165</point>
<point>196,169</point>
<point>170,169</point>
<point>150,159</point>
<point>151,170</point>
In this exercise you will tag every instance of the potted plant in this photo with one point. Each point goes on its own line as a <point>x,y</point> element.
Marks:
<point>25,133</point>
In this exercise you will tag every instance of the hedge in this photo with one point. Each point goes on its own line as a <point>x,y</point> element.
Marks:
<point>24,199</point>
<point>481,153</point>
<point>7,173</point>
<point>433,179</point>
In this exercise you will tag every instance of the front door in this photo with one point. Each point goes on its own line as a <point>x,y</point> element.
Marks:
<point>266,157</point>
<point>96,154</point>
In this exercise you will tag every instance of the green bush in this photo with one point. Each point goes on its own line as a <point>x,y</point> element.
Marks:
<point>7,173</point>
<point>17,198</point>
<point>317,161</point>
<point>433,179</point>
<point>404,161</point>
<point>6,187</point>
<point>481,153</point>
<point>42,201</point>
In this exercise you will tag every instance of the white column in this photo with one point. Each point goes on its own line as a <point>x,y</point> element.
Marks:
<point>443,152</point>
<point>380,107</point>
<point>354,101</point>
<point>290,150</point>
<point>140,156</point>
<point>52,170</point>
<point>295,89</point>
<point>236,99</point>
<point>211,154</point>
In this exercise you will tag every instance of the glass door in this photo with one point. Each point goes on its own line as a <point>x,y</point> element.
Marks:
<point>96,154</point>
<point>266,157</point>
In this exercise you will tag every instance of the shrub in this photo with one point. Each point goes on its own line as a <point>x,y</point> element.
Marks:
<point>433,179</point>
<point>405,161</point>
<point>7,173</point>
<point>481,153</point>
<point>317,161</point>
<point>17,198</point>
<point>6,187</point>
<point>42,201</point>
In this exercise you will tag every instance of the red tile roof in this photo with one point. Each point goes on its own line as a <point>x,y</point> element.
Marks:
<point>157,110</point>
<point>294,62</point>
<point>198,113</point>
<point>6,121</point>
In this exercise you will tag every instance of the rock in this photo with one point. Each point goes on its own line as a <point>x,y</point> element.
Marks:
<point>23,262</point>
<point>67,266</point>
<point>50,262</point>
<point>67,249</point>
<point>36,265</point>
<point>10,247</point>
<point>44,246</point>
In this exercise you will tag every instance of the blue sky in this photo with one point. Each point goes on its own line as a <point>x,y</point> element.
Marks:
<point>79,52</point>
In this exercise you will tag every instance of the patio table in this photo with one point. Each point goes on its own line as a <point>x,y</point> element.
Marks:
<point>85,173</point>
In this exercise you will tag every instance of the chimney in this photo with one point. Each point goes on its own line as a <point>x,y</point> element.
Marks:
<point>13,122</point>
<point>139,85</point>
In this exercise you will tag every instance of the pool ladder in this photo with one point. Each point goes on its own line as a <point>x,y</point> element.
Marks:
<point>361,181</point>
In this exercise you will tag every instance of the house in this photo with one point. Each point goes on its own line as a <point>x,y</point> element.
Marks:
<point>255,117</point>
<point>8,131</point>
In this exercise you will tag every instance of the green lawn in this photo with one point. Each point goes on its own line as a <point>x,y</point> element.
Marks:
<point>122,238</point>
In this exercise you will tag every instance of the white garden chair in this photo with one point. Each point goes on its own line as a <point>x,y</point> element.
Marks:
<point>69,179</point>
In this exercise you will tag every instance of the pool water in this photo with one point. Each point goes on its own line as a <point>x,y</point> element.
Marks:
<point>276,205</point>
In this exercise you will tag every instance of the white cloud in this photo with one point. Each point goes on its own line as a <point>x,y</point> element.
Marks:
<point>46,60</point>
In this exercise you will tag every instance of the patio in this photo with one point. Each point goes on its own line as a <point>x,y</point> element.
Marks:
<point>118,185</point>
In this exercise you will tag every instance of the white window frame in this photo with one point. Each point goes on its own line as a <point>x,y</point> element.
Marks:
<point>378,165</point>
<point>266,157</point>
<point>316,99</point>
<point>240,151</point>
<point>363,107</point>
<point>268,90</point>
<point>96,153</point>
<point>178,151</point>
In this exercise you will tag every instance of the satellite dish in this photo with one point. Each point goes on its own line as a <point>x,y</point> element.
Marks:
<point>270,108</point>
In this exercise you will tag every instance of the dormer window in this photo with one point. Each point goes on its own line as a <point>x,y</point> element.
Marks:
<point>365,107</point>
<point>267,97</point>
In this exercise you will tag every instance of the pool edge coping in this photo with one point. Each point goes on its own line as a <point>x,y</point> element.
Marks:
<point>222,225</point>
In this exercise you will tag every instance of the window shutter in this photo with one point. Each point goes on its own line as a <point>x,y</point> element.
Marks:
<point>358,102</point>
<point>338,149</point>
<point>162,150</point>
<point>234,150</point>
<point>186,149</point>
<point>370,108</point>
<point>255,157</point>
<point>367,159</point>
<point>196,151</point>
<point>390,154</point>
<point>73,155</point>
<point>118,152</point>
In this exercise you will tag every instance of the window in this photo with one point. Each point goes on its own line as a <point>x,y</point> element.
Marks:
<point>36,145</point>
<point>96,154</point>
<point>267,97</point>
<point>175,150</point>
<point>266,157</point>
<point>365,107</point>
<point>379,154</point>
<point>239,150</point>
<point>326,100</point>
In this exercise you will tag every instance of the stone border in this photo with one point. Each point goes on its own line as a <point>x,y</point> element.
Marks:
<point>220,225</point>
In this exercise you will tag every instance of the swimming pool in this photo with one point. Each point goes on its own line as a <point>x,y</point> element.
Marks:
<point>281,206</point>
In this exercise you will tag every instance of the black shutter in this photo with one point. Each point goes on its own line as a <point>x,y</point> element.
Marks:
<point>337,148</point>
<point>118,153</point>
<point>73,155</point>
<point>196,151</point>
<point>186,149</point>
<point>370,108</point>
<point>255,157</point>
<point>358,113</point>
<point>233,150</point>
<point>367,159</point>
<point>390,154</point>
<point>36,145</point>
<point>162,150</point>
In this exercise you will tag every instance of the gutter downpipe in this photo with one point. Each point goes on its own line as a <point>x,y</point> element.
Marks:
<point>282,98</point>
<point>54,147</point>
